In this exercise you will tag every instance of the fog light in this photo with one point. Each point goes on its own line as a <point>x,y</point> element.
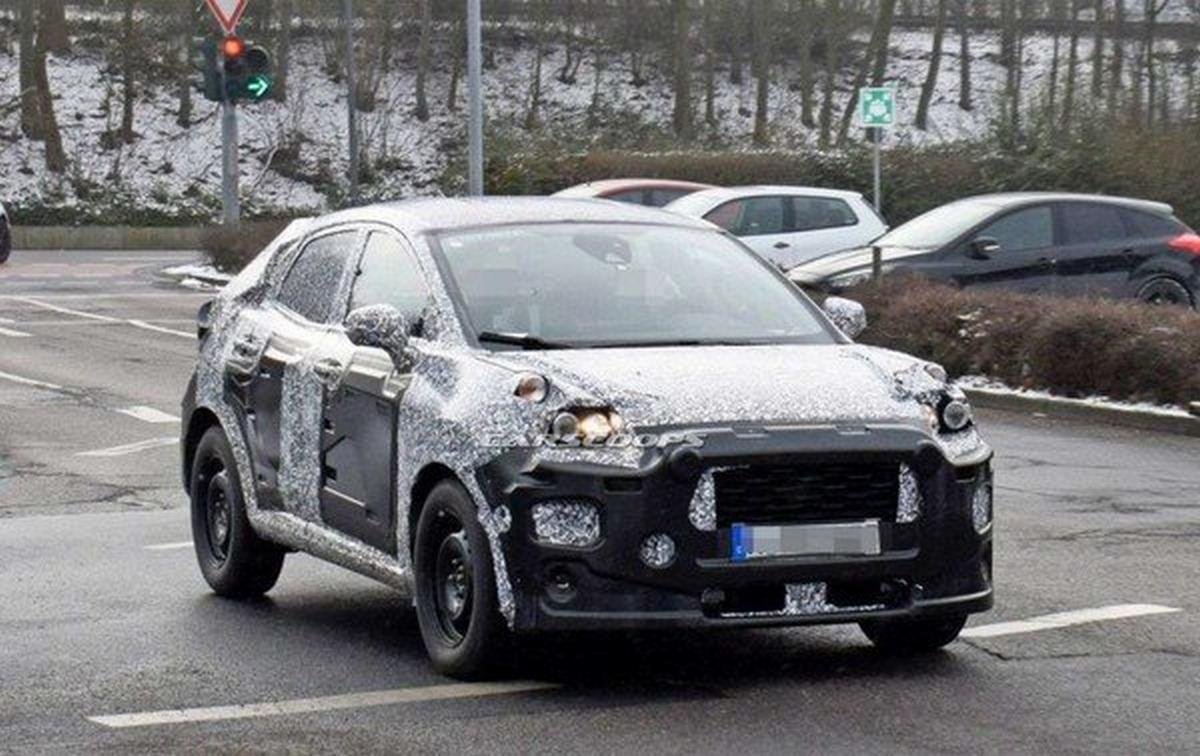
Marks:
<point>566,522</point>
<point>658,551</point>
<point>981,506</point>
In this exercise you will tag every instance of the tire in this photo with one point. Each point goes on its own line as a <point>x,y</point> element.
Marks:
<point>913,636</point>
<point>5,241</point>
<point>235,562</point>
<point>1165,291</point>
<point>457,608</point>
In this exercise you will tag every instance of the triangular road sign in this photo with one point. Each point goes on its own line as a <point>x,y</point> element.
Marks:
<point>228,12</point>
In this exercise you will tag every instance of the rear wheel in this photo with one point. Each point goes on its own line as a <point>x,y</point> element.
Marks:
<point>234,561</point>
<point>913,636</point>
<point>1165,291</point>
<point>457,607</point>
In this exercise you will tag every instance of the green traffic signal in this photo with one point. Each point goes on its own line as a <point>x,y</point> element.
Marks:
<point>258,86</point>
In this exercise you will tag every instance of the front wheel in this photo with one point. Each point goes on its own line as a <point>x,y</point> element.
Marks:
<point>235,562</point>
<point>457,607</point>
<point>907,636</point>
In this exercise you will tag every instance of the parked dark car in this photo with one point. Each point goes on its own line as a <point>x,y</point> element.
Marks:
<point>5,236</point>
<point>1066,244</point>
<point>545,414</point>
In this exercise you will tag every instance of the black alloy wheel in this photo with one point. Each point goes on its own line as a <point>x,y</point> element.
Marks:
<point>1166,291</point>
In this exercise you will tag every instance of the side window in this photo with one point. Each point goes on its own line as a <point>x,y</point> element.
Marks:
<point>753,216</point>
<point>1085,223</point>
<point>388,275</point>
<point>814,213</point>
<point>629,197</point>
<point>312,283</point>
<point>1150,226</point>
<point>661,197</point>
<point>1031,228</point>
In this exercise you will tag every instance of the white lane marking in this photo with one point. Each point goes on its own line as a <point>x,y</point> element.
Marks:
<point>1066,619</point>
<point>121,451</point>
<point>10,321</point>
<point>15,334</point>
<point>168,546</point>
<point>148,414</point>
<point>30,382</point>
<point>323,703</point>
<point>104,318</point>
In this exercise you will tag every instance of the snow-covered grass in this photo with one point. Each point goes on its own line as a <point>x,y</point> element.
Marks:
<point>294,155</point>
<point>985,385</point>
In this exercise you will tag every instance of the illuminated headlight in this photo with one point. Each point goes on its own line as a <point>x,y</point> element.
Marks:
<point>586,425</point>
<point>956,415</point>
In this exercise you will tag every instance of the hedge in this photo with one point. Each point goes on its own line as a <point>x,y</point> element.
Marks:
<point>1076,347</point>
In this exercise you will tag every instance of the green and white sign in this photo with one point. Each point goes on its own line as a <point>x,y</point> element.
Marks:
<point>877,107</point>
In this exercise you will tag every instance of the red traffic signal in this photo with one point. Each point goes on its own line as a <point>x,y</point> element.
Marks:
<point>232,48</point>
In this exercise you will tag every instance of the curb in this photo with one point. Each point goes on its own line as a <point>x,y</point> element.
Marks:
<point>1130,418</point>
<point>107,238</point>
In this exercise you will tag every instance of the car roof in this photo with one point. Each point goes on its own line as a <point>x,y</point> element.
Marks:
<point>417,216</point>
<point>610,186</point>
<point>700,203</point>
<point>1011,199</point>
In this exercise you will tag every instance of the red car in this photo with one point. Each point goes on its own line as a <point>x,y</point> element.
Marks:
<point>649,192</point>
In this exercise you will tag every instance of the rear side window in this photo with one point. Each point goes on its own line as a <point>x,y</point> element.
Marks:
<point>1085,223</point>
<point>1148,225</point>
<point>311,286</point>
<point>754,216</point>
<point>1031,228</point>
<point>815,213</point>
<point>388,275</point>
<point>662,197</point>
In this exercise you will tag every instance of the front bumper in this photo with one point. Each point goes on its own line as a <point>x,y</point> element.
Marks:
<point>940,563</point>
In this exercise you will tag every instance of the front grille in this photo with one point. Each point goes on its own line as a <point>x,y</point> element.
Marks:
<point>796,492</point>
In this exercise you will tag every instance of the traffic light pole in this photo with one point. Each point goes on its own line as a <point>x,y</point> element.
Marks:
<point>475,94</point>
<point>351,97</point>
<point>229,160</point>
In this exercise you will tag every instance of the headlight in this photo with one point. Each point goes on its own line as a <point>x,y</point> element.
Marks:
<point>956,415</point>
<point>532,387</point>
<point>586,425</point>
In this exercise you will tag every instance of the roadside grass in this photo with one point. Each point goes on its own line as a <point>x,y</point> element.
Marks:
<point>1075,347</point>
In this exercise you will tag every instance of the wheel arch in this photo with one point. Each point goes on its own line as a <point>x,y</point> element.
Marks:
<point>429,477</point>
<point>201,419</point>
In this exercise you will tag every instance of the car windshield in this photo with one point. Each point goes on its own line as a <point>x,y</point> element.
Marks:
<point>606,285</point>
<point>939,226</point>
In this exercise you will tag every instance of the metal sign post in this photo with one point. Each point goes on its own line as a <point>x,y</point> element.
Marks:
<point>228,13</point>
<point>475,95</point>
<point>877,111</point>
<point>351,97</point>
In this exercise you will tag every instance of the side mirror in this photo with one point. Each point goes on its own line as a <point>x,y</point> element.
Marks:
<point>849,316</point>
<point>982,248</point>
<point>382,327</point>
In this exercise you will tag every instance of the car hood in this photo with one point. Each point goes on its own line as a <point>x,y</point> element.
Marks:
<point>731,384</point>
<point>848,261</point>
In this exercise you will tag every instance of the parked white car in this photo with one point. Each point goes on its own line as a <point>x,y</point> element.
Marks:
<point>788,225</point>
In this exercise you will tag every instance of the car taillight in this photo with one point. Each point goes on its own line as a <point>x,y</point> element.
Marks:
<point>1189,243</point>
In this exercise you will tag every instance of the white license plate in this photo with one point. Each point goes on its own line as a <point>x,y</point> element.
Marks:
<point>841,538</point>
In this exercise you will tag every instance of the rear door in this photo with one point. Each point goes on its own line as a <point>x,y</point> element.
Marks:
<point>1097,252</point>
<point>279,370</point>
<point>359,414</point>
<point>819,225</point>
<point>760,222</point>
<point>1025,260</point>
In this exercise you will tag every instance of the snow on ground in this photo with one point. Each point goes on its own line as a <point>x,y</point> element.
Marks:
<point>176,170</point>
<point>986,385</point>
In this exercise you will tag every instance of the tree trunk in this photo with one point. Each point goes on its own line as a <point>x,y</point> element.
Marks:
<point>26,67</point>
<point>1068,111</point>
<point>53,26</point>
<point>184,14</point>
<point>1008,33</point>
<point>760,11</point>
<point>1117,64</point>
<point>128,93</point>
<point>806,21</point>
<point>935,62</point>
<point>832,11</point>
<point>964,57</point>
<point>283,68</point>
<point>874,65</point>
<point>1153,9</point>
<point>710,64</point>
<point>1098,53</point>
<point>734,39</point>
<point>423,46</point>
<point>681,55</point>
<point>533,118</point>
<point>56,159</point>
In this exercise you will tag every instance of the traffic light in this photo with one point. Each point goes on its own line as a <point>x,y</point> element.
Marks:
<point>247,70</point>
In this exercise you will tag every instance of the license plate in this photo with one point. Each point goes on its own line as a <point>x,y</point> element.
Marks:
<point>842,538</point>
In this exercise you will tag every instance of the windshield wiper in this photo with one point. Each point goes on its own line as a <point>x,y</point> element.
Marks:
<point>523,340</point>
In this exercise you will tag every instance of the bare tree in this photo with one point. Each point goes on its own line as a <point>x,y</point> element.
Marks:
<point>47,126</point>
<point>185,19</point>
<point>1117,63</point>
<point>572,58</point>
<point>964,55</point>
<point>1098,52</point>
<point>873,65</point>
<point>533,117</point>
<point>761,19</point>
<point>26,66</point>
<point>832,15</point>
<point>935,62</point>
<point>806,22</point>
<point>1153,8</point>
<point>127,68</point>
<point>710,63</point>
<point>681,64</point>
<point>424,43</point>
<point>1068,111</point>
<point>53,26</point>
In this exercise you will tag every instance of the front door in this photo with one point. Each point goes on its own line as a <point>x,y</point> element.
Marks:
<point>1025,260</point>
<point>359,414</point>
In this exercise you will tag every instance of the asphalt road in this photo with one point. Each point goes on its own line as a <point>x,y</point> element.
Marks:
<point>103,612</point>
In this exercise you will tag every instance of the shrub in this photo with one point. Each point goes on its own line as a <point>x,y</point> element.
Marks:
<point>1070,346</point>
<point>231,248</point>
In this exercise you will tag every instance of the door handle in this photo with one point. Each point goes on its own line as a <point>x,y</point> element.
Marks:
<point>1047,262</point>
<point>782,245</point>
<point>329,371</point>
